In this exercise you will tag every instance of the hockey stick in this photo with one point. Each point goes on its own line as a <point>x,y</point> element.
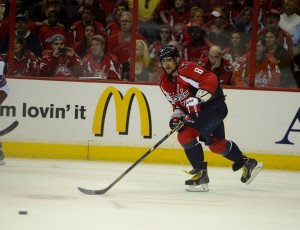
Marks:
<point>9,128</point>
<point>102,191</point>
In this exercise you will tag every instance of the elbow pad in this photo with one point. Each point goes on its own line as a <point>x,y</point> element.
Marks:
<point>203,95</point>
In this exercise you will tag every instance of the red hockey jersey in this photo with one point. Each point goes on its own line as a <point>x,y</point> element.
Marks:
<point>28,65</point>
<point>267,72</point>
<point>191,77</point>
<point>224,72</point>
<point>108,68</point>
<point>63,66</point>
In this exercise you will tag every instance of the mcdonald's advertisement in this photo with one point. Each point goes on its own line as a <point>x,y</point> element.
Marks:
<point>135,115</point>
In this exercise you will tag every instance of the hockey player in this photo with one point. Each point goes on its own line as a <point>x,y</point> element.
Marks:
<point>197,99</point>
<point>3,95</point>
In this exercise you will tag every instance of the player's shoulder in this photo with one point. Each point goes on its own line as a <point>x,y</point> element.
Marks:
<point>186,66</point>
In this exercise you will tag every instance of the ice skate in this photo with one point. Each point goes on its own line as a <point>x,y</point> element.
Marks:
<point>250,169</point>
<point>199,181</point>
<point>2,162</point>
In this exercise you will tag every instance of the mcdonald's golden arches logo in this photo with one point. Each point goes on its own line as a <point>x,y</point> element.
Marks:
<point>123,109</point>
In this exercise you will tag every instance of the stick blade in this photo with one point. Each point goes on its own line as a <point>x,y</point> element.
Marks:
<point>92,192</point>
<point>9,128</point>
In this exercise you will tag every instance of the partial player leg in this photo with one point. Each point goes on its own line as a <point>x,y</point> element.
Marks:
<point>194,152</point>
<point>3,96</point>
<point>199,181</point>
<point>231,151</point>
<point>2,162</point>
<point>250,169</point>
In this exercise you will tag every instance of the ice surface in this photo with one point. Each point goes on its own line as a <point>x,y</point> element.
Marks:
<point>151,196</point>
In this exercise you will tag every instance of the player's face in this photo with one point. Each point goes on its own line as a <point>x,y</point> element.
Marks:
<point>169,65</point>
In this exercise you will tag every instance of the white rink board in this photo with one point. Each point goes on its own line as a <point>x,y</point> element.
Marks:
<point>256,119</point>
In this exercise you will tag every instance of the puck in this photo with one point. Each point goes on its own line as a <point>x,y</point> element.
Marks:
<point>23,212</point>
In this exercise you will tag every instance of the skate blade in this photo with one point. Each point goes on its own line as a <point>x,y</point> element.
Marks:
<point>197,188</point>
<point>255,171</point>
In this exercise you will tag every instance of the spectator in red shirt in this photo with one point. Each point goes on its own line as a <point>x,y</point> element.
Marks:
<point>61,61</point>
<point>114,21</point>
<point>218,65</point>
<point>179,15</point>
<point>284,39</point>
<point>25,62</point>
<point>165,34</point>
<point>32,41</point>
<point>100,15</point>
<point>75,34</point>
<point>119,43</point>
<point>219,29</point>
<point>237,48</point>
<point>109,6</point>
<point>39,12</point>
<point>47,31</point>
<point>197,48</point>
<point>283,58</point>
<point>99,64</point>
<point>83,47</point>
<point>197,18</point>
<point>5,25</point>
<point>267,70</point>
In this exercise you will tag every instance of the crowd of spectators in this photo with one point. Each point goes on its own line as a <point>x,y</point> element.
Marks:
<point>92,38</point>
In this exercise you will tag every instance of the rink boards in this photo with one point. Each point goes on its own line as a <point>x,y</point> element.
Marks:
<point>120,122</point>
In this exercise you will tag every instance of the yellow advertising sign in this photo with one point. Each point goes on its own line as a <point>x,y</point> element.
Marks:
<point>123,109</point>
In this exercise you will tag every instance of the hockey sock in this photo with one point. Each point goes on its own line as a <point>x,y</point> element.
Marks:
<point>195,155</point>
<point>234,154</point>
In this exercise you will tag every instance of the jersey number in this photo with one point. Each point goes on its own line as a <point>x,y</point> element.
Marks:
<point>200,71</point>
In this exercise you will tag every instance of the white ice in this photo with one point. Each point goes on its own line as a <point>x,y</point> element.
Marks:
<point>151,196</point>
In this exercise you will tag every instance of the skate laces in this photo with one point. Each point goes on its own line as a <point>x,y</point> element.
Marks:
<point>245,171</point>
<point>196,174</point>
